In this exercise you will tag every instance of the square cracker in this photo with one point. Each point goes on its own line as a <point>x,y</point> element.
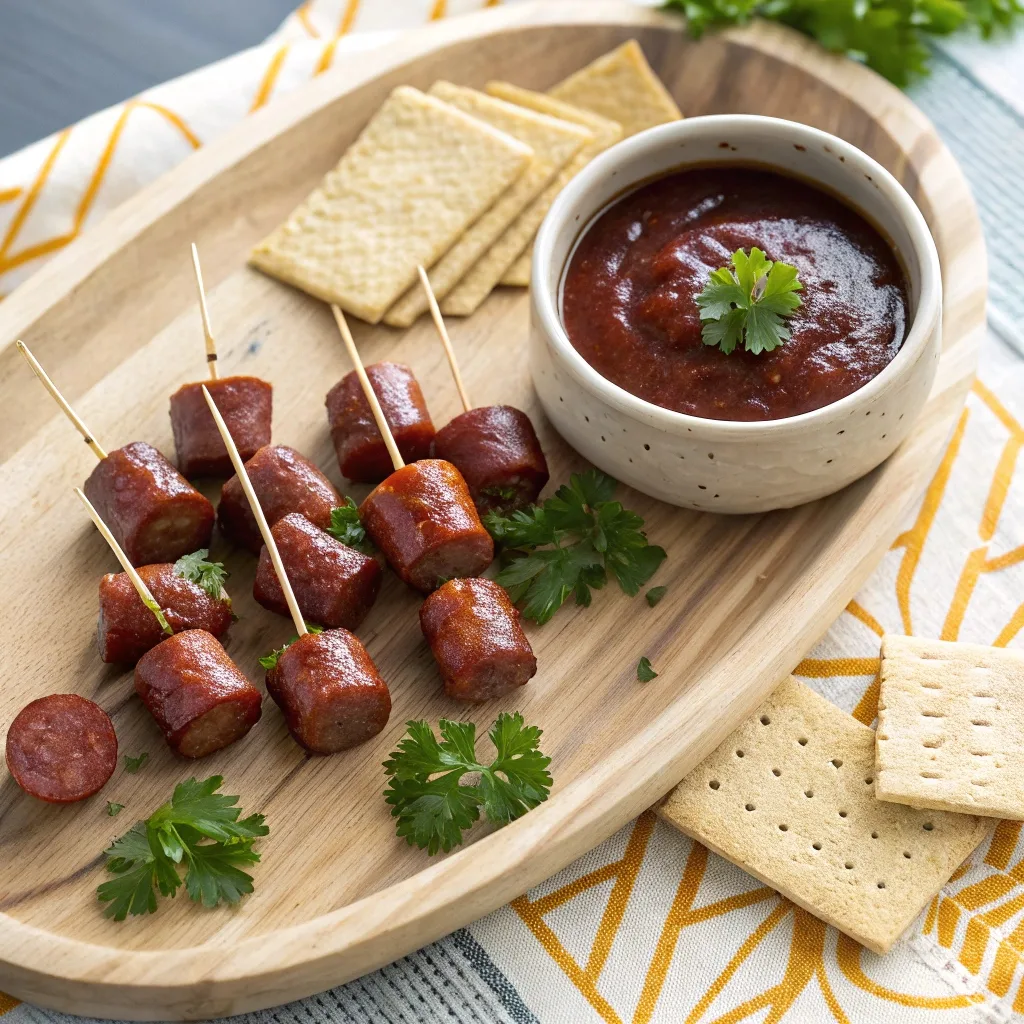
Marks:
<point>621,87</point>
<point>419,174</point>
<point>554,144</point>
<point>605,133</point>
<point>790,798</point>
<point>951,727</point>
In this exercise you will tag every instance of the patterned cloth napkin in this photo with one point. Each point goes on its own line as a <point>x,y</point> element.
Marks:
<point>650,926</point>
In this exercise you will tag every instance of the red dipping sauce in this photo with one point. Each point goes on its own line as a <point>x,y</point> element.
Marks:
<point>628,301</point>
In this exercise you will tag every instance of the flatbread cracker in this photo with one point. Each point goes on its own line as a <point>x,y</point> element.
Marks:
<point>605,133</point>
<point>790,798</point>
<point>621,87</point>
<point>419,174</point>
<point>951,727</point>
<point>554,144</point>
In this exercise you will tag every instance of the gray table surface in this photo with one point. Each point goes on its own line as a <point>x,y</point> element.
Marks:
<point>61,60</point>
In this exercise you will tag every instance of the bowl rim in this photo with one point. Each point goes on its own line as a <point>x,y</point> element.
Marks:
<point>546,301</point>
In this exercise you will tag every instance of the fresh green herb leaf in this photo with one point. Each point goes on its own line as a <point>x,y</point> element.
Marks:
<point>199,828</point>
<point>133,764</point>
<point>571,545</point>
<point>503,492</point>
<point>432,804</point>
<point>114,809</point>
<point>655,594</point>
<point>269,661</point>
<point>208,575</point>
<point>348,528</point>
<point>644,672</point>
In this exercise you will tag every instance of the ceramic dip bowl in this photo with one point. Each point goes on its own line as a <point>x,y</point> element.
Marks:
<point>727,465</point>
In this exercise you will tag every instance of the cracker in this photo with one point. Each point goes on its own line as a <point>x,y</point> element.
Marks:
<point>622,87</point>
<point>790,798</point>
<point>951,727</point>
<point>605,133</point>
<point>554,144</point>
<point>419,174</point>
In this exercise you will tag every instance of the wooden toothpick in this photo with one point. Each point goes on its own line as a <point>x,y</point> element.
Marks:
<point>211,345</point>
<point>140,586</point>
<point>371,397</point>
<point>442,333</point>
<point>257,511</point>
<point>61,400</point>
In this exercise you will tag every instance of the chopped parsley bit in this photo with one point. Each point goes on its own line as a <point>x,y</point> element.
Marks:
<point>114,809</point>
<point>505,492</point>
<point>655,594</point>
<point>133,764</point>
<point>269,661</point>
<point>210,576</point>
<point>644,672</point>
<point>348,528</point>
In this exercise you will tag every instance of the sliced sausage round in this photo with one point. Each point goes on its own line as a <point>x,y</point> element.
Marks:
<point>61,748</point>
<point>155,514</point>
<point>246,403</point>
<point>474,633</point>
<point>284,481</point>
<point>127,628</point>
<point>496,450</point>
<point>424,521</point>
<point>330,691</point>
<point>193,689</point>
<point>335,585</point>
<point>362,454</point>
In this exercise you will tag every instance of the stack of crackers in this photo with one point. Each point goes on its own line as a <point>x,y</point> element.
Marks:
<point>862,827</point>
<point>456,180</point>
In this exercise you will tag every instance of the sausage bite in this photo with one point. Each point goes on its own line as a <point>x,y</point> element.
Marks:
<point>330,691</point>
<point>154,513</point>
<point>424,521</point>
<point>362,454</point>
<point>199,698</point>
<point>284,481</point>
<point>496,450</point>
<point>61,748</point>
<point>335,585</point>
<point>245,403</point>
<point>474,632</point>
<point>127,628</point>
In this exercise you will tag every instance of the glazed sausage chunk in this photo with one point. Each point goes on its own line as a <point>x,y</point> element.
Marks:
<point>330,691</point>
<point>496,449</point>
<point>193,689</point>
<point>474,632</point>
<point>284,481</point>
<point>61,748</point>
<point>362,454</point>
<point>127,628</point>
<point>155,514</point>
<point>335,585</point>
<point>424,521</point>
<point>246,404</point>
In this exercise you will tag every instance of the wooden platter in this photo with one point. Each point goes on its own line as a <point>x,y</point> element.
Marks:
<point>115,321</point>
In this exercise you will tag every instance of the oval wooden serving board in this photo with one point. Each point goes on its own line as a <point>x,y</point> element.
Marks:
<point>114,319</point>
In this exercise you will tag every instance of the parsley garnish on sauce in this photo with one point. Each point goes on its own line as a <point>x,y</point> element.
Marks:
<point>199,829</point>
<point>348,528</point>
<point>749,303</point>
<point>427,792</point>
<point>210,576</point>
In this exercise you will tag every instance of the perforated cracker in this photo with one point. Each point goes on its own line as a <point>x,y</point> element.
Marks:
<point>951,726</point>
<point>790,798</point>
<point>419,174</point>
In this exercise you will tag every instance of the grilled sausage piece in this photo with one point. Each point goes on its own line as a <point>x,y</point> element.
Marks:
<point>61,748</point>
<point>330,691</point>
<point>424,521</point>
<point>245,403</point>
<point>474,632</point>
<point>284,481</point>
<point>127,628</point>
<point>496,449</point>
<point>153,511</point>
<point>196,693</point>
<point>362,454</point>
<point>334,584</point>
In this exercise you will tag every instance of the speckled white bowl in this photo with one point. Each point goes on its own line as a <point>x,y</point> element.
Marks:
<point>723,465</point>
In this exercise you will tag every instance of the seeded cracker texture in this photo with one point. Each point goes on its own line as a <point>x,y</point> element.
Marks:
<point>951,727</point>
<point>419,174</point>
<point>790,798</point>
<point>554,144</point>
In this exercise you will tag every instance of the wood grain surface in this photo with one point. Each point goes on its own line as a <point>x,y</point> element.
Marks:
<point>115,320</point>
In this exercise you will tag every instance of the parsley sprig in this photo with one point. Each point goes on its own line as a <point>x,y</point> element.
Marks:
<point>269,661</point>
<point>571,545</point>
<point>210,576</point>
<point>428,793</point>
<point>348,528</point>
<point>198,829</point>
<point>749,302</point>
